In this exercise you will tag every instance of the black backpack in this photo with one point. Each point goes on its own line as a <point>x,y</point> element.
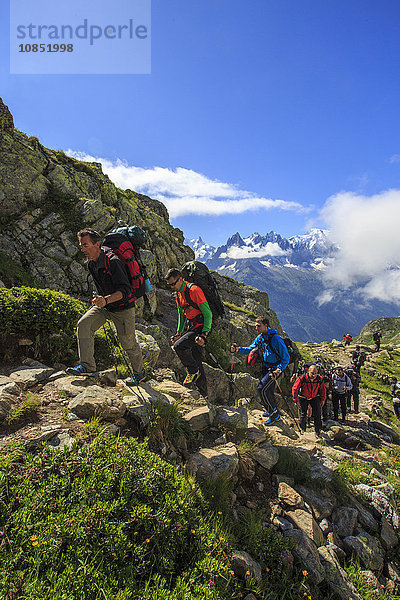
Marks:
<point>290,348</point>
<point>257,354</point>
<point>197,272</point>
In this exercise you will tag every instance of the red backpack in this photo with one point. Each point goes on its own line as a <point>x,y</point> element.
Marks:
<point>121,246</point>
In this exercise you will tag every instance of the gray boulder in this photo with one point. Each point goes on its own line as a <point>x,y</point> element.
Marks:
<point>388,535</point>
<point>380,503</point>
<point>9,386</point>
<point>288,496</point>
<point>266,455</point>
<point>217,385</point>
<point>307,555</point>
<point>367,549</point>
<point>231,417</point>
<point>213,462</point>
<point>345,520</point>
<point>95,401</point>
<point>335,576</point>
<point>322,506</point>
<point>245,385</point>
<point>200,418</point>
<point>242,562</point>
<point>305,521</point>
<point>365,516</point>
<point>30,373</point>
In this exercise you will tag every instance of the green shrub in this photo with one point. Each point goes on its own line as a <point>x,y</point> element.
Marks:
<point>166,423</point>
<point>107,520</point>
<point>48,318</point>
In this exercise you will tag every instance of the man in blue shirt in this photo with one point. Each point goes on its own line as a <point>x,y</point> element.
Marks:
<point>275,356</point>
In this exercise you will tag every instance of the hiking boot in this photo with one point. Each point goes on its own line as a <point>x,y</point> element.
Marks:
<point>274,416</point>
<point>265,413</point>
<point>191,378</point>
<point>78,370</point>
<point>136,378</point>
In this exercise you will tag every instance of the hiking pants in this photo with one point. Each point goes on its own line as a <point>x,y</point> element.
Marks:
<point>377,345</point>
<point>396,408</point>
<point>336,398</point>
<point>190,355</point>
<point>315,404</point>
<point>124,321</point>
<point>355,393</point>
<point>266,389</point>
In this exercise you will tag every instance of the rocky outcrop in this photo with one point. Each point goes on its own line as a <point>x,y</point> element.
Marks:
<point>46,195</point>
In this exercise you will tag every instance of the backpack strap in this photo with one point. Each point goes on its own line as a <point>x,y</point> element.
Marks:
<point>303,380</point>
<point>188,299</point>
<point>198,319</point>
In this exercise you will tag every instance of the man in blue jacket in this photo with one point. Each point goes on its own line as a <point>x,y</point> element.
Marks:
<point>275,356</point>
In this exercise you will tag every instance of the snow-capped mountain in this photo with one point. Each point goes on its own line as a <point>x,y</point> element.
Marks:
<point>291,270</point>
<point>202,250</point>
<point>308,251</point>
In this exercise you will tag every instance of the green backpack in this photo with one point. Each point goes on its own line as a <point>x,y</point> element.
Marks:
<point>197,272</point>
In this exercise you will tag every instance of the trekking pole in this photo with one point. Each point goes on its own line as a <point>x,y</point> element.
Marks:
<point>231,379</point>
<point>118,346</point>
<point>223,370</point>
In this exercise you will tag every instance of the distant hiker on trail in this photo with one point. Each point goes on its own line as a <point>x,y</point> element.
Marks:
<point>355,378</point>
<point>309,391</point>
<point>275,356</point>
<point>194,325</point>
<point>341,383</point>
<point>113,302</point>
<point>358,358</point>
<point>347,339</point>
<point>395,389</point>
<point>377,339</point>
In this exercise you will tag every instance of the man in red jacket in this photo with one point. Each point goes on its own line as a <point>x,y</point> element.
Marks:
<point>309,390</point>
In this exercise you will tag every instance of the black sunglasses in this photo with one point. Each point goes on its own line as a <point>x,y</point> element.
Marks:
<point>173,283</point>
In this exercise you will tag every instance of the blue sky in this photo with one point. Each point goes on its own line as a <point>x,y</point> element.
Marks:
<point>278,105</point>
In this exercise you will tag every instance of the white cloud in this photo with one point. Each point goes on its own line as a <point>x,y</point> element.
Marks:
<point>395,158</point>
<point>325,296</point>
<point>366,230</point>
<point>270,249</point>
<point>184,191</point>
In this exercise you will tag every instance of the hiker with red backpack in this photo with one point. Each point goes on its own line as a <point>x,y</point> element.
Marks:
<point>275,357</point>
<point>347,339</point>
<point>309,391</point>
<point>114,301</point>
<point>194,325</point>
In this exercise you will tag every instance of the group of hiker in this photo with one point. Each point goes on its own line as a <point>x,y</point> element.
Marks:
<point>120,278</point>
<point>376,336</point>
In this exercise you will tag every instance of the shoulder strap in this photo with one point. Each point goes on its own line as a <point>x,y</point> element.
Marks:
<point>107,256</point>
<point>268,339</point>
<point>188,298</point>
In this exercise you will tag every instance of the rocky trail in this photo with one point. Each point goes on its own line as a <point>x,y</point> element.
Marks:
<point>232,440</point>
